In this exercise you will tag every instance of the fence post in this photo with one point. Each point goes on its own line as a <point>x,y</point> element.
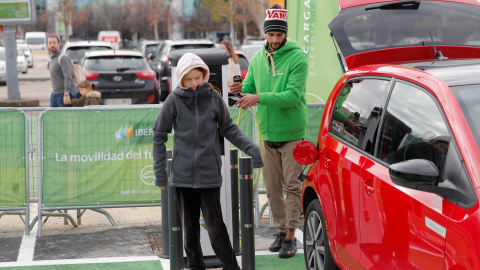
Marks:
<point>175,224</point>
<point>235,210</point>
<point>165,225</point>
<point>246,210</point>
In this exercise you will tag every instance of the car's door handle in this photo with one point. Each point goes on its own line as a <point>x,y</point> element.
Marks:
<point>367,185</point>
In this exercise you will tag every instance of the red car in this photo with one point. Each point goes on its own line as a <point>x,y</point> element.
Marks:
<point>394,177</point>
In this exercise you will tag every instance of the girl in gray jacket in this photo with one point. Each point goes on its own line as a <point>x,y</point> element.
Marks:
<point>195,111</point>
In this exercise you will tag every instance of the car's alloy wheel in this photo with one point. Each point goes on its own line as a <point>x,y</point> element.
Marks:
<point>316,247</point>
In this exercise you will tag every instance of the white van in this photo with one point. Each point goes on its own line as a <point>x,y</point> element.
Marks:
<point>36,40</point>
<point>112,36</point>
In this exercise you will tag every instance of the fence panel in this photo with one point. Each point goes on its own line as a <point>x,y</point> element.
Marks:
<point>13,188</point>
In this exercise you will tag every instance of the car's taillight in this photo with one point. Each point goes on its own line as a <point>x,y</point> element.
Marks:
<point>150,99</point>
<point>150,75</point>
<point>91,75</point>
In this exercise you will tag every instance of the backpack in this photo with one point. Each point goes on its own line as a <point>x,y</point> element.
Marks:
<point>77,71</point>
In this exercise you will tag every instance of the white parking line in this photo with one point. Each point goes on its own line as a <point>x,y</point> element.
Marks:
<point>27,247</point>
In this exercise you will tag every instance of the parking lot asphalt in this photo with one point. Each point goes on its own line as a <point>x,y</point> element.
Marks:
<point>137,236</point>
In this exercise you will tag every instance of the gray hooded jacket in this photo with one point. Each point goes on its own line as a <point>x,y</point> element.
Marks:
<point>195,116</point>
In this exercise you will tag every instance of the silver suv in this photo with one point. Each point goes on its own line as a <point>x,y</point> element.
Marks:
<point>77,49</point>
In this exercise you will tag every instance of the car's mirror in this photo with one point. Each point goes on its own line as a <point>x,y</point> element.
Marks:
<point>305,153</point>
<point>414,172</point>
<point>151,56</point>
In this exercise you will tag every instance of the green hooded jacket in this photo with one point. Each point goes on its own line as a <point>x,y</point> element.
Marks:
<point>282,107</point>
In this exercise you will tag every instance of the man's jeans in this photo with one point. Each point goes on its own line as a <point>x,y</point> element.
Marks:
<point>56,99</point>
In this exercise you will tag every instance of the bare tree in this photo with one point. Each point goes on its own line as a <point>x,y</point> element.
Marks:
<point>65,8</point>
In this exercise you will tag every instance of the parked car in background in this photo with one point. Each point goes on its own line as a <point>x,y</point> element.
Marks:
<point>28,53</point>
<point>77,49</point>
<point>22,64</point>
<point>36,40</point>
<point>110,36</point>
<point>244,62</point>
<point>250,49</point>
<point>122,76</point>
<point>161,63</point>
<point>3,66</point>
<point>149,47</point>
<point>394,180</point>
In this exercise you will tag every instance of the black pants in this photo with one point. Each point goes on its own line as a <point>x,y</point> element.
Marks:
<point>190,202</point>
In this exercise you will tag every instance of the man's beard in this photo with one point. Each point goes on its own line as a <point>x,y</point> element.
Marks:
<point>53,50</point>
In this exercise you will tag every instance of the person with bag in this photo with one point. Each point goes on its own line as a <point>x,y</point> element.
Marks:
<point>233,68</point>
<point>89,95</point>
<point>61,74</point>
<point>195,111</point>
<point>276,83</point>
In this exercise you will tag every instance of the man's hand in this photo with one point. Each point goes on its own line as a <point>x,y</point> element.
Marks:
<point>162,187</point>
<point>247,101</point>
<point>66,100</point>
<point>235,88</point>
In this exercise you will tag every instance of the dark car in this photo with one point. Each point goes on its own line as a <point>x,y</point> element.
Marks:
<point>162,65</point>
<point>77,49</point>
<point>394,182</point>
<point>123,77</point>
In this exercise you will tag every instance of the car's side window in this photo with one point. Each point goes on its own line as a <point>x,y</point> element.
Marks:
<point>357,111</point>
<point>413,128</point>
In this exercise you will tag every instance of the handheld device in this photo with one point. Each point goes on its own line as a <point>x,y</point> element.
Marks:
<point>232,98</point>
<point>237,78</point>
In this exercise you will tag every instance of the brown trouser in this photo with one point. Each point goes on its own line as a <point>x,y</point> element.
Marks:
<point>280,175</point>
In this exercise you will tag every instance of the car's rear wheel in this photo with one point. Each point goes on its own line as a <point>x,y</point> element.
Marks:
<point>316,248</point>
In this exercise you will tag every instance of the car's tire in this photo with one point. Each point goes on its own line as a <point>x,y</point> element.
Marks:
<point>25,71</point>
<point>315,239</point>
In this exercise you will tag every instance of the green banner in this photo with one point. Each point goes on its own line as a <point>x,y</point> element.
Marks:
<point>12,159</point>
<point>308,25</point>
<point>99,157</point>
<point>18,9</point>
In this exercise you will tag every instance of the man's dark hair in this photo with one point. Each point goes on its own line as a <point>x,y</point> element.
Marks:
<point>53,36</point>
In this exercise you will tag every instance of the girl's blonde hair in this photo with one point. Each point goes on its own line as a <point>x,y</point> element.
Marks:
<point>231,51</point>
<point>87,84</point>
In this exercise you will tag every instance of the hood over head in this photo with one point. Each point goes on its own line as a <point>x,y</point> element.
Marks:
<point>188,62</point>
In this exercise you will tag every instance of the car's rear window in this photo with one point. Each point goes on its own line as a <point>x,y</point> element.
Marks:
<point>115,63</point>
<point>151,48</point>
<point>79,52</point>
<point>191,46</point>
<point>359,29</point>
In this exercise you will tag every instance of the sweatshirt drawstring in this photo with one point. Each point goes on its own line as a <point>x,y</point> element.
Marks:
<point>270,57</point>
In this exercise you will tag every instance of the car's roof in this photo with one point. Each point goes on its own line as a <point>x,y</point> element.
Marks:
<point>88,43</point>
<point>453,72</point>
<point>113,53</point>
<point>189,41</point>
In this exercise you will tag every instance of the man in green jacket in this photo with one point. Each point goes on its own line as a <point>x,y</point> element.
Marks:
<point>275,82</point>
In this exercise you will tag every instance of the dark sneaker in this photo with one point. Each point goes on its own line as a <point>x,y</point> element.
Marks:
<point>277,244</point>
<point>289,248</point>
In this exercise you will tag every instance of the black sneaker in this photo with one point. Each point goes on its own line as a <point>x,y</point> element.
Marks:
<point>277,244</point>
<point>289,248</point>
